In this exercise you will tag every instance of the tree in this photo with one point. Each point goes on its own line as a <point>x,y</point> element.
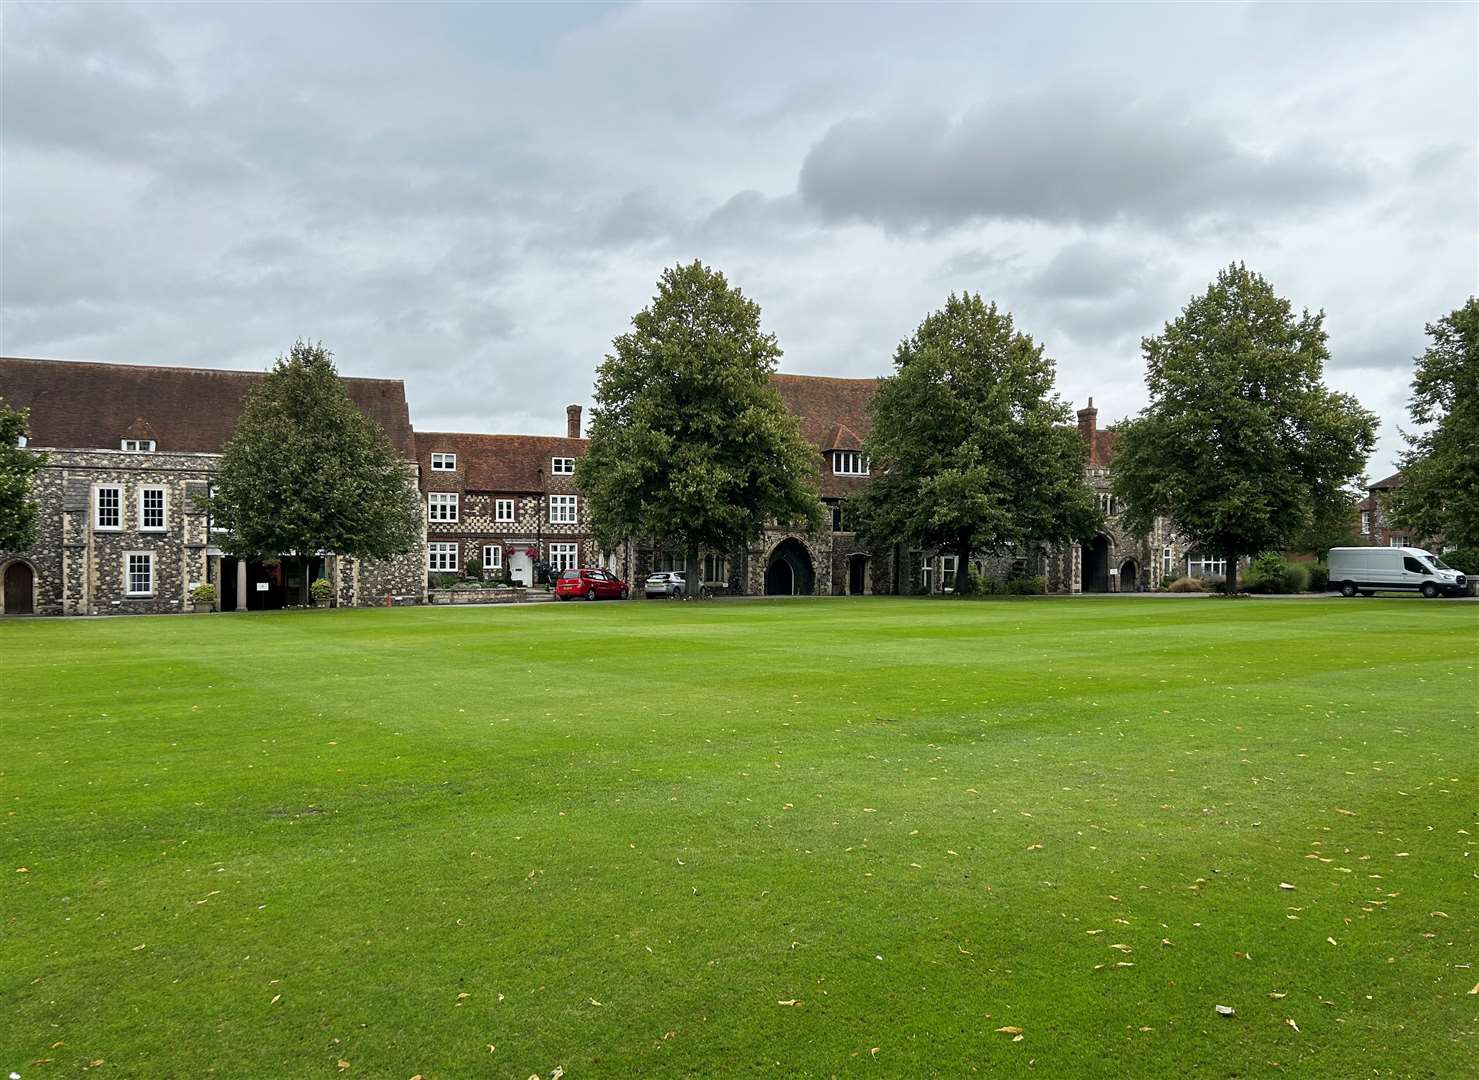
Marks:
<point>973,451</point>
<point>689,442</point>
<point>1242,447</point>
<point>1439,493</point>
<point>306,471</point>
<point>17,467</point>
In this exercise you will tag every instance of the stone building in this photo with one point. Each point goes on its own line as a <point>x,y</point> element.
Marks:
<point>129,451</point>
<point>504,502</point>
<point>1377,529</point>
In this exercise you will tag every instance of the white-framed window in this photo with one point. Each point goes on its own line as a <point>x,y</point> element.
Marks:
<point>137,446</point>
<point>714,570</point>
<point>1198,566</point>
<point>947,572</point>
<point>1398,541</point>
<point>849,463</point>
<point>1167,562</point>
<point>138,573</point>
<point>441,506</point>
<point>564,556</point>
<point>443,462</point>
<point>503,509</point>
<point>562,509</point>
<point>1365,522</point>
<point>441,558</point>
<point>492,556</point>
<point>662,562</point>
<point>108,509</point>
<point>151,509</point>
<point>1108,504</point>
<point>562,466</point>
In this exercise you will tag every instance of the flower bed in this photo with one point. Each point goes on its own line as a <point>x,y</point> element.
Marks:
<point>473,594</point>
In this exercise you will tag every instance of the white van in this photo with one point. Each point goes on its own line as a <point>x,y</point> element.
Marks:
<point>1365,569</point>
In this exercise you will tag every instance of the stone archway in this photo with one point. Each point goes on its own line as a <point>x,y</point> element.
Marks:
<point>1129,576</point>
<point>1094,576</point>
<point>857,574</point>
<point>19,588</point>
<point>789,570</point>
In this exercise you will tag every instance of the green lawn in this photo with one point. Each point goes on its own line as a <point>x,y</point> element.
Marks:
<point>805,838</point>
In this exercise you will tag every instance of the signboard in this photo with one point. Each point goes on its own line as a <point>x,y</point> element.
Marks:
<point>262,586</point>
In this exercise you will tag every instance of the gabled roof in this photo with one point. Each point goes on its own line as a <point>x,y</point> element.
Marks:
<point>496,463</point>
<point>1101,448</point>
<point>79,405</point>
<point>833,412</point>
<point>1391,482</point>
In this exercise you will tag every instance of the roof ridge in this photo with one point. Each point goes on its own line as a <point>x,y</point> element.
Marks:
<point>174,367</point>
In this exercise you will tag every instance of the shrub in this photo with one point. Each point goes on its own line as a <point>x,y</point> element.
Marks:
<point>1271,573</point>
<point>1012,585</point>
<point>1465,560</point>
<point>1188,584</point>
<point>473,570</point>
<point>322,591</point>
<point>443,580</point>
<point>1319,577</point>
<point>204,593</point>
<point>1167,580</point>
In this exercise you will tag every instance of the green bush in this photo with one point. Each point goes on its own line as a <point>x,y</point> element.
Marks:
<point>1167,580</point>
<point>1187,584</point>
<point>473,569</point>
<point>322,591</point>
<point>204,593</point>
<point>1271,573</point>
<point>443,580</point>
<point>1465,560</point>
<point>1319,577</point>
<point>1011,585</point>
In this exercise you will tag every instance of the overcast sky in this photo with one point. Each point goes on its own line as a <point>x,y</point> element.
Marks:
<point>477,198</point>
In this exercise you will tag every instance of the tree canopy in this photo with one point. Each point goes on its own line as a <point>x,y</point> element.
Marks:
<point>18,467</point>
<point>1439,493</point>
<point>690,444</point>
<point>1242,447</point>
<point>306,471</point>
<point>972,449</point>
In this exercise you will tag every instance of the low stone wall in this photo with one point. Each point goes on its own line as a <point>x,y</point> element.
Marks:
<point>477,596</point>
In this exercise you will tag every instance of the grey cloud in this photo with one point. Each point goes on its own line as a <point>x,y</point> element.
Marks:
<point>1067,158</point>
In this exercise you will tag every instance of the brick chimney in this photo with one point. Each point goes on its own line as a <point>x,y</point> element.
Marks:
<point>1088,422</point>
<point>572,421</point>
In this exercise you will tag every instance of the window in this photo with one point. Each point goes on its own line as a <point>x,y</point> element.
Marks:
<point>139,571</point>
<point>714,570</point>
<point>1108,504</point>
<point>1398,541</point>
<point>947,572</point>
<point>151,509</point>
<point>503,509</point>
<point>664,563</point>
<point>1199,567</point>
<point>1365,522</point>
<point>1412,566</point>
<point>840,521</point>
<point>441,558</point>
<point>849,463</point>
<point>492,556</point>
<point>109,503</point>
<point>444,462</point>
<point>563,556</point>
<point>1167,563</point>
<point>137,446</point>
<point>562,466</point>
<point>562,509</point>
<point>441,506</point>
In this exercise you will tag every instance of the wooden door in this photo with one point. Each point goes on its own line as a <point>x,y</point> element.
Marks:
<point>19,588</point>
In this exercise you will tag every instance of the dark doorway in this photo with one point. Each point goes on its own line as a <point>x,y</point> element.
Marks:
<point>789,571</point>
<point>20,584</point>
<point>1129,576</point>
<point>857,575</point>
<point>1095,571</point>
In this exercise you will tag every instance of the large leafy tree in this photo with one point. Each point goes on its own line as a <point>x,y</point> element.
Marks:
<point>973,450</point>
<point>306,471</point>
<point>17,468</point>
<point>689,442</point>
<point>1439,494</point>
<point>1243,447</point>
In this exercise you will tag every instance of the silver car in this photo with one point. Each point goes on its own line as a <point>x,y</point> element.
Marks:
<point>665,583</point>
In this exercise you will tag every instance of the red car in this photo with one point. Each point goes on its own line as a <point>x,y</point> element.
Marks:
<point>593,584</point>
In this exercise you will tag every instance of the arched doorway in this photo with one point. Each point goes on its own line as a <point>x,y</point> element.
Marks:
<point>1095,569</point>
<point>20,589</point>
<point>789,571</point>
<point>857,575</point>
<point>1129,576</point>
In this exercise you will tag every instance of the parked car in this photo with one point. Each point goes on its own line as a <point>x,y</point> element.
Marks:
<point>1366,569</point>
<point>666,583</point>
<point>591,583</point>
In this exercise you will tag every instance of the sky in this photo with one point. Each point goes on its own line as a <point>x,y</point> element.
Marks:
<point>477,198</point>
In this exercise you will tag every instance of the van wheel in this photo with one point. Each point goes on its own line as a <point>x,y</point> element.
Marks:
<point>1347,588</point>
<point>1430,590</point>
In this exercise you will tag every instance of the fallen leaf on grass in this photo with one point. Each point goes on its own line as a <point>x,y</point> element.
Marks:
<point>1122,948</point>
<point>343,1064</point>
<point>275,1000</point>
<point>1475,990</point>
<point>1014,1032</point>
<point>1286,886</point>
<point>1332,941</point>
<point>1034,847</point>
<point>789,1001</point>
<point>596,1003</point>
<point>1276,995</point>
<point>1225,1010</point>
<point>1292,1024</point>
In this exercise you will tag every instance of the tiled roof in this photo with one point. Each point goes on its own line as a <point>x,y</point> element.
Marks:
<point>496,463</point>
<point>1393,481</point>
<point>1101,448</point>
<point>82,405</point>
<point>834,416</point>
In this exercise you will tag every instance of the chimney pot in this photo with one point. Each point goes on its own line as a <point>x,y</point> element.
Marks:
<point>572,421</point>
<point>1088,422</point>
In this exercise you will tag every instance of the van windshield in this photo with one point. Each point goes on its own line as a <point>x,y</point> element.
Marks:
<point>1439,563</point>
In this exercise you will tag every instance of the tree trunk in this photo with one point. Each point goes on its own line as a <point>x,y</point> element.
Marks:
<point>963,583</point>
<point>303,588</point>
<point>1230,581</point>
<point>695,575</point>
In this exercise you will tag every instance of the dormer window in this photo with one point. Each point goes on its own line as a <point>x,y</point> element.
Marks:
<point>849,463</point>
<point>444,462</point>
<point>562,466</point>
<point>137,446</point>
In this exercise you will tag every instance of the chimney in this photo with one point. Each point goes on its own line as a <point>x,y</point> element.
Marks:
<point>572,421</point>
<point>1088,422</point>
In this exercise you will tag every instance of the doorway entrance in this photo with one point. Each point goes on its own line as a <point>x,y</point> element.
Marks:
<point>20,589</point>
<point>1129,576</point>
<point>857,575</point>
<point>1095,568</point>
<point>789,572</point>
